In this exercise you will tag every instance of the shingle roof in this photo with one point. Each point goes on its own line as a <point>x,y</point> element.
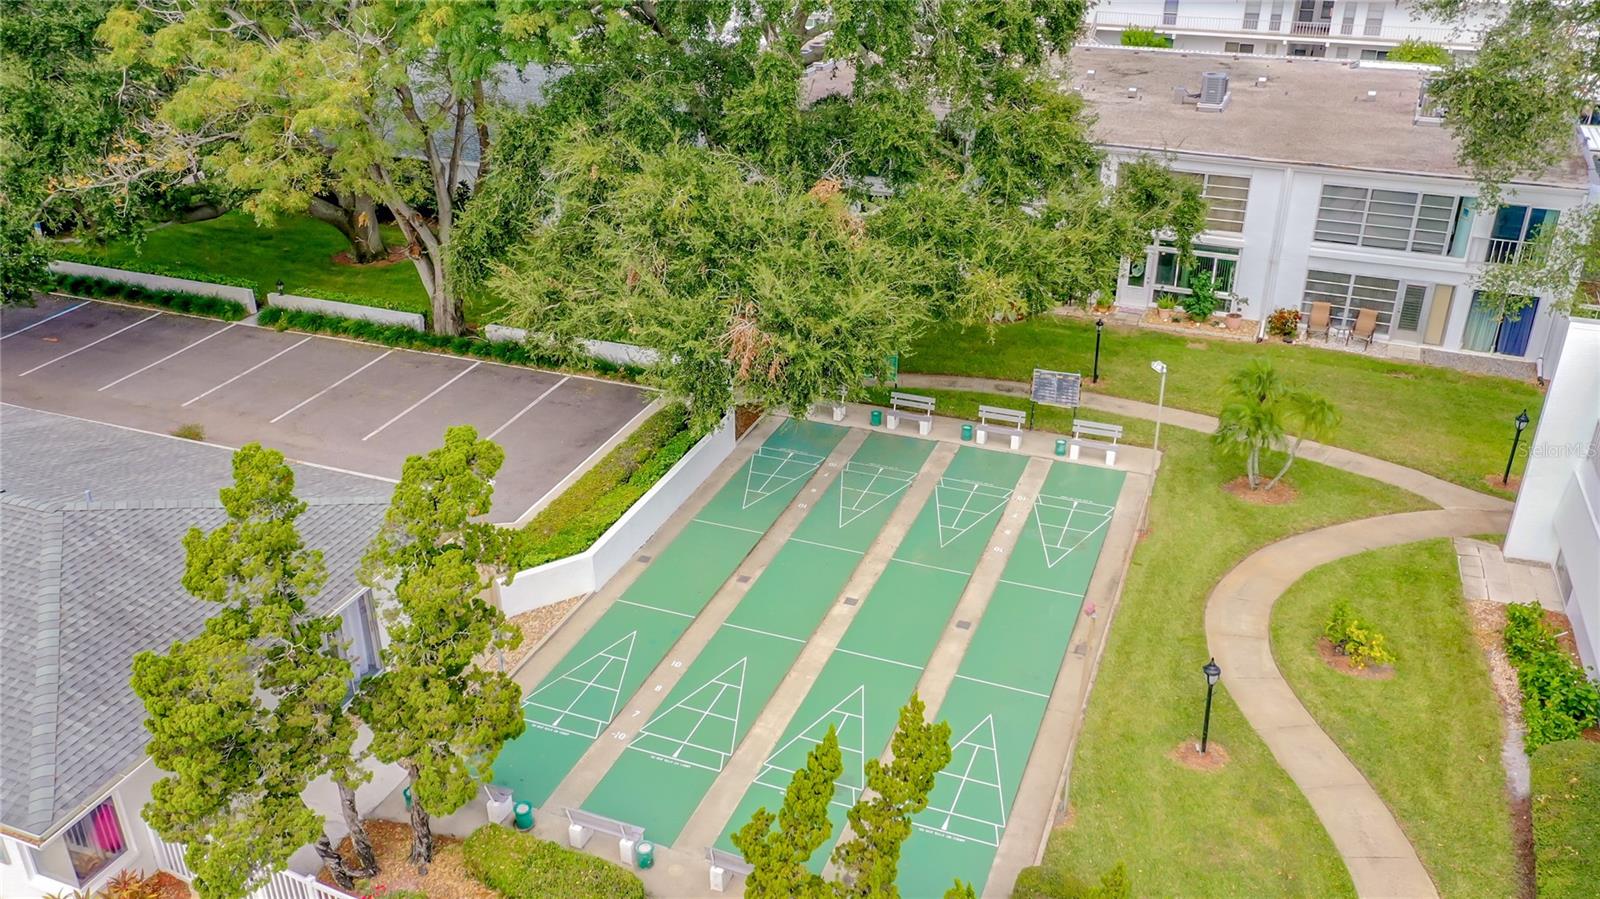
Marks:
<point>86,585</point>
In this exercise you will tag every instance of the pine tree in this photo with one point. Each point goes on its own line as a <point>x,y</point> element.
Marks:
<point>431,710</point>
<point>779,856</point>
<point>880,821</point>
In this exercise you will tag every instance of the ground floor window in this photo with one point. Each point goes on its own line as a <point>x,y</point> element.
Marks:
<point>1488,331</point>
<point>95,841</point>
<point>1220,262</point>
<point>1347,295</point>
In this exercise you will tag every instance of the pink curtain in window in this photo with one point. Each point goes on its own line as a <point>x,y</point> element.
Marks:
<point>107,832</point>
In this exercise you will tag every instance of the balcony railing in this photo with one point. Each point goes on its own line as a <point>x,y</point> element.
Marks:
<point>1257,25</point>
<point>1502,250</point>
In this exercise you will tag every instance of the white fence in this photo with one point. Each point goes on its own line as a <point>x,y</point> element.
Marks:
<point>282,884</point>
<point>412,320</point>
<point>242,295</point>
<point>587,571</point>
<point>609,350</point>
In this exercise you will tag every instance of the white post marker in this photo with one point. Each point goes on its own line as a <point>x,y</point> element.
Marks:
<point>578,835</point>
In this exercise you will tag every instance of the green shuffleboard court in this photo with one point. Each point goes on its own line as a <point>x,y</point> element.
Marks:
<point>880,658</point>
<point>576,703</point>
<point>997,701</point>
<point>675,757</point>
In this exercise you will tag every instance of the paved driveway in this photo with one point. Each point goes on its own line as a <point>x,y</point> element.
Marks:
<point>321,400</point>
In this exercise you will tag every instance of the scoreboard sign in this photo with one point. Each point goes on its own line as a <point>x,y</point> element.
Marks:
<point>1056,388</point>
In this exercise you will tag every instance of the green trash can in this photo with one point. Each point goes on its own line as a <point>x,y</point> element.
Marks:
<point>877,417</point>
<point>1061,446</point>
<point>407,794</point>
<point>966,432</point>
<point>645,852</point>
<point>523,814</point>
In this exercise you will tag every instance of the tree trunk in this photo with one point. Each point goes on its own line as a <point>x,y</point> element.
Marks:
<point>1293,449</point>
<point>356,217</point>
<point>335,862</point>
<point>444,311</point>
<point>421,831</point>
<point>358,830</point>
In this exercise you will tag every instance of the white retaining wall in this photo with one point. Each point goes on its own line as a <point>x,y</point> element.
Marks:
<point>609,350</point>
<point>243,295</point>
<point>587,571</point>
<point>412,320</point>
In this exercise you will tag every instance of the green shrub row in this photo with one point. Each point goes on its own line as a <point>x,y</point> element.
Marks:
<point>1048,883</point>
<point>1145,37</point>
<point>522,866</point>
<point>576,519</point>
<point>419,307</point>
<point>1559,701</point>
<point>1566,819</point>
<point>156,268</point>
<point>175,300</point>
<point>509,352</point>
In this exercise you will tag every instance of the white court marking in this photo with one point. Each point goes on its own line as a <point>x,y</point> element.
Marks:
<point>1073,522</point>
<point>596,680</point>
<point>168,356</point>
<point>865,498</point>
<point>781,468</point>
<point>978,502</point>
<point>848,718</point>
<point>87,345</point>
<point>980,740</point>
<point>730,678</point>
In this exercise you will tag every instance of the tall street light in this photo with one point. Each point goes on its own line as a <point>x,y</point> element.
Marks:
<point>1213,673</point>
<point>1522,423</point>
<point>1160,368</point>
<point>1099,326</point>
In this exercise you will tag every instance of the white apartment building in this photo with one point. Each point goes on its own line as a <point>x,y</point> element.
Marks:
<point>1335,29</point>
<point>1330,182</point>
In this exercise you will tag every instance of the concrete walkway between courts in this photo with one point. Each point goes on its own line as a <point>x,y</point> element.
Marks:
<point>1381,860</point>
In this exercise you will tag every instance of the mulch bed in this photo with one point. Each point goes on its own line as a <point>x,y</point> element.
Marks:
<point>745,418</point>
<point>1188,754</point>
<point>1493,480</point>
<point>396,254</point>
<point>168,886</point>
<point>534,625</point>
<point>1277,496</point>
<point>447,877</point>
<point>1338,661</point>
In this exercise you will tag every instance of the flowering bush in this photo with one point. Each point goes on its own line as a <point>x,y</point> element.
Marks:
<point>1283,322</point>
<point>1355,639</point>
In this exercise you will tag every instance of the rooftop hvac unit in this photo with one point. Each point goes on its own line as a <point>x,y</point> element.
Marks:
<point>1214,88</point>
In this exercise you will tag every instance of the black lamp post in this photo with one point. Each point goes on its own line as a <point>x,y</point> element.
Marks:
<point>1099,326</point>
<point>280,285</point>
<point>1522,423</point>
<point>1213,674</point>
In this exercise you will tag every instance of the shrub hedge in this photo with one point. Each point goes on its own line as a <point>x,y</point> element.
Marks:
<point>175,300</point>
<point>1559,701</point>
<point>575,520</point>
<point>1040,882</point>
<point>522,866</point>
<point>1566,819</point>
<point>156,268</point>
<point>509,352</point>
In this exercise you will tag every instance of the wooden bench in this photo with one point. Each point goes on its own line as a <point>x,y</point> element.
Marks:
<point>724,865</point>
<point>581,826</point>
<point>1001,421</point>
<point>910,405</point>
<point>1083,430</point>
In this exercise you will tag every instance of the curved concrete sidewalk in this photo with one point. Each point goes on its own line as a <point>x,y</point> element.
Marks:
<point>1381,859</point>
<point>1435,490</point>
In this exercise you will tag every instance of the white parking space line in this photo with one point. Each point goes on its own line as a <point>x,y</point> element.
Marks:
<point>245,372</point>
<point>584,465</point>
<point>87,345</point>
<point>552,389</point>
<point>292,409</point>
<point>169,356</point>
<point>459,375</point>
<point>46,319</point>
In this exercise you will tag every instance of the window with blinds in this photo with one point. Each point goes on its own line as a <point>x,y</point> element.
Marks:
<point>1389,219</point>
<point>1347,295</point>
<point>1225,197</point>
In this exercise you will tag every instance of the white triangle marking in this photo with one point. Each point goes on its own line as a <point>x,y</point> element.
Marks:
<point>953,530</point>
<point>799,465</point>
<point>852,731</point>
<point>594,682</point>
<point>723,685</point>
<point>966,777</point>
<point>897,479</point>
<point>1065,532</point>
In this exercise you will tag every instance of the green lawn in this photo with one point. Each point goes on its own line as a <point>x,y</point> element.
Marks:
<point>1448,423</point>
<point>1242,831</point>
<point>1429,738</point>
<point>298,250</point>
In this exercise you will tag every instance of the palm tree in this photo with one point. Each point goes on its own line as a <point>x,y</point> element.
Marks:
<point>1262,411</point>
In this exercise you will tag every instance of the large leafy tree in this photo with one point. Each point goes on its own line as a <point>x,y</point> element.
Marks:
<point>314,106</point>
<point>246,715</point>
<point>431,709</point>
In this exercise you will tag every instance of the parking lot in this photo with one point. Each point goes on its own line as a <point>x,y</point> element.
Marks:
<point>321,400</point>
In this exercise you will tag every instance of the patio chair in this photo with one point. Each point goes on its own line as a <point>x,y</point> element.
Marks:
<point>1320,314</point>
<point>1366,326</point>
